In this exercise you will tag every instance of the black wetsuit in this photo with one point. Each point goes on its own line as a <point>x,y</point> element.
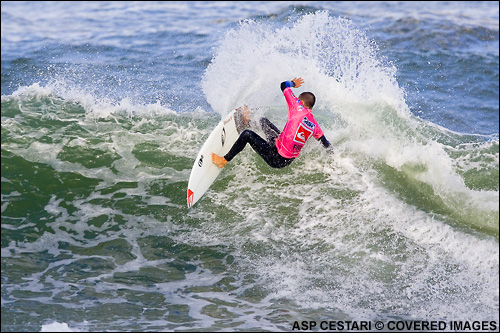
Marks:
<point>266,149</point>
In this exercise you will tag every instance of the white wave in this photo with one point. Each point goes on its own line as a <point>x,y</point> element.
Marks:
<point>58,327</point>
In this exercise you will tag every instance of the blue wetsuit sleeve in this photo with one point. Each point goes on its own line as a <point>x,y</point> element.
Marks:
<point>287,84</point>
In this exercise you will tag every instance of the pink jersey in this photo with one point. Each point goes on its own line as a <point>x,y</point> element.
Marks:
<point>300,126</point>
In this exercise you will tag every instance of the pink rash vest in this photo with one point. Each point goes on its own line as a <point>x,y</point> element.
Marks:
<point>300,126</point>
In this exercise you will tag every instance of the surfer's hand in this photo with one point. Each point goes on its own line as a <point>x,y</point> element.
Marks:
<point>297,82</point>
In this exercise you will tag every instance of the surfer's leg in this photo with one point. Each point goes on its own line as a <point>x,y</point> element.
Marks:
<point>247,136</point>
<point>273,158</point>
<point>267,151</point>
<point>271,131</point>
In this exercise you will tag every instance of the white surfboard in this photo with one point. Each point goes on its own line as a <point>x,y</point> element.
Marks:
<point>220,141</point>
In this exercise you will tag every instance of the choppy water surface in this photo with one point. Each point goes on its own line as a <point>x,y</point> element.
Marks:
<point>106,104</point>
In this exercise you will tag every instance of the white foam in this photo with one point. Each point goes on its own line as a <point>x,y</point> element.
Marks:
<point>324,233</point>
<point>58,327</point>
<point>335,244</point>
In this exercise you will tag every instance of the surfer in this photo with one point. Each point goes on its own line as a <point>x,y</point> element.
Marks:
<point>281,148</point>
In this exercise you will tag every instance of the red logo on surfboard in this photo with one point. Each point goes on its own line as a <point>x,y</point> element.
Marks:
<point>190,198</point>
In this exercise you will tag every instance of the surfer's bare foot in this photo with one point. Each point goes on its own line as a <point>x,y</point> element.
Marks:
<point>220,161</point>
<point>246,115</point>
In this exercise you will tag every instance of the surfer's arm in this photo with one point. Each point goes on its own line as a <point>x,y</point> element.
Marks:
<point>326,143</point>
<point>286,84</point>
<point>295,83</point>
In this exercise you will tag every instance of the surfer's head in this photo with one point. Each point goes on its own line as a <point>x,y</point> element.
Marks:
<point>308,99</point>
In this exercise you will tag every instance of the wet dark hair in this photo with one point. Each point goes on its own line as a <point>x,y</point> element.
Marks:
<point>308,99</point>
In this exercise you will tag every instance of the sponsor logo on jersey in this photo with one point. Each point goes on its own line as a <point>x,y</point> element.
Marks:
<point>300,107</point>
<point>304,131</point>
<point>297,148</point>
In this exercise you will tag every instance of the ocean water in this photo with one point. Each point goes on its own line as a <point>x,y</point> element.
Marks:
<point>106,104</point>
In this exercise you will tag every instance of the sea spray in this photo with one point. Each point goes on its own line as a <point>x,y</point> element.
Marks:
<point>358,96</point>
<point>95,232</point>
